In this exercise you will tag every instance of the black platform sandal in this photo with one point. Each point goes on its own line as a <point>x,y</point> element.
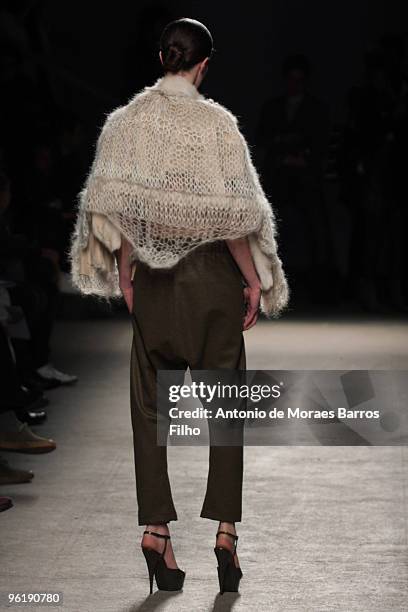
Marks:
<point>167,578</point>
<point>229,574</point>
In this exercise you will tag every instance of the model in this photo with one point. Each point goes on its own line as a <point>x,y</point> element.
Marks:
<point>174,219</point>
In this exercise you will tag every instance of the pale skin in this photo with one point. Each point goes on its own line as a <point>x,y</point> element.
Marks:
<point>240,250</point>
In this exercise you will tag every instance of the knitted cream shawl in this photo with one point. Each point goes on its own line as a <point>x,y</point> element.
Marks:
<point>172,171</point>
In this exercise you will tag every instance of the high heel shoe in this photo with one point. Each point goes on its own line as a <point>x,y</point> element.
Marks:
<point>229,574</point>
<point>167,578</point>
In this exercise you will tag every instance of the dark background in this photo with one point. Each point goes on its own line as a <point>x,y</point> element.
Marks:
<point>65,65</point>
<point>94,53</point>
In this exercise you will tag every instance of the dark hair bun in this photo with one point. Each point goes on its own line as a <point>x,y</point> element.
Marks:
<point>173,57</point>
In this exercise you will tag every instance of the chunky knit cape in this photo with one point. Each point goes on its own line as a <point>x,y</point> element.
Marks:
<point>173,171</point>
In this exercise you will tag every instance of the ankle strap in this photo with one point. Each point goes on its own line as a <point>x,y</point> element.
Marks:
<point>165,536</point>
<point>159,535</point>
<point>233,535</point>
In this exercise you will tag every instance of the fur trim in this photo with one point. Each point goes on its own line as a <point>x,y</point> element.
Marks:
<point>262,263</point>
<point>275,299</point>
<point>175,84</point>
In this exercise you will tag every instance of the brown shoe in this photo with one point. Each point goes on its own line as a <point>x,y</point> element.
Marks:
<point>23,440</point>
<point>9,475</point>
<point>5,503</point>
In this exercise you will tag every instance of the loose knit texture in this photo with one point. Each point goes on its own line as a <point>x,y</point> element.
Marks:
<point>173,171</point>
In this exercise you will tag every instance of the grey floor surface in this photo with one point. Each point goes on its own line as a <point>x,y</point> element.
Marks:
<point>324,528</point>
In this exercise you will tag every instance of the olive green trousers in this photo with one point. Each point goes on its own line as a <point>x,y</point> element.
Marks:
<point>190,315</point>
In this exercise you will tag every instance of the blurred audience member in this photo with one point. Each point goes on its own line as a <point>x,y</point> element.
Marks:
<point>34,270</point>
<point>293,132</point>
<point>374,185</point>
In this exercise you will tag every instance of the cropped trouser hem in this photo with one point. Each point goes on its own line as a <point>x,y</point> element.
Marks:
<point>220,516</point>
<point>154,520</point>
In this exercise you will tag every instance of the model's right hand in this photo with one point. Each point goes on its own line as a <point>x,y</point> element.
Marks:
<point>252,296</point>
<point>127,291</point>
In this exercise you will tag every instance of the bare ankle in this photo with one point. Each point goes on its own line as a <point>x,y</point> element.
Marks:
<point>158,528</point>
<point>224,526</point>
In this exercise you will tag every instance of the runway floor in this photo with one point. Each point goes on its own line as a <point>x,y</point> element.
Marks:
<point>324,528</point>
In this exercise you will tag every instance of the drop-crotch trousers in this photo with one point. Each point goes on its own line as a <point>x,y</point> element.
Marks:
<point>190,315</point>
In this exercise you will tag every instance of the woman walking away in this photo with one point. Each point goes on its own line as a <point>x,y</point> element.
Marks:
<point>174,219</point>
